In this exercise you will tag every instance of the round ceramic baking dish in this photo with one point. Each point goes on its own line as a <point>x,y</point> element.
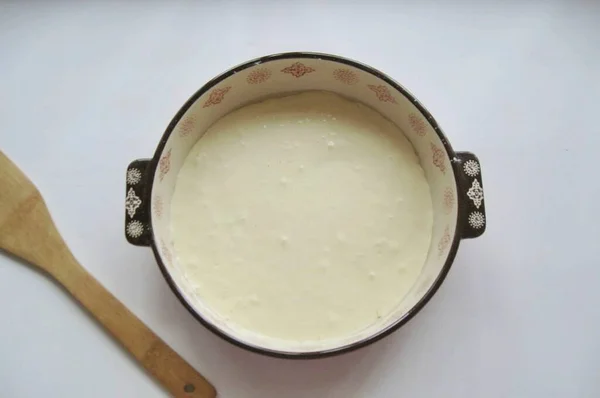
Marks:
<point>454,178</point>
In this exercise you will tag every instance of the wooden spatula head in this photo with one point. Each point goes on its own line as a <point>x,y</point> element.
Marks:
<point>27,231</point>
<point>26,228</point>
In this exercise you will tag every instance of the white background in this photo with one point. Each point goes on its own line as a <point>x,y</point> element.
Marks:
<point>86,87</point>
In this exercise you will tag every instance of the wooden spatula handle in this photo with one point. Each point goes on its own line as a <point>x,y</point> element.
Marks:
<point>28,232</point>
<point>174,373</point>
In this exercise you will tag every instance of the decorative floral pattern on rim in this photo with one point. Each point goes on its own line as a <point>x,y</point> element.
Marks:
<point>157,206</point>
<point>471,168</point>
<point>258,76</point>
<point>475,193</point>
<point>382,93</point>
<point>166,253</point>
<point>346,76</point>
<point>132,202</point>
<point>187,126</point>
<point>444,241</point>
<point>417,124</point>
<point>476,220</point>
<point>448,200</point>
<point>164,165</point>
<point>134,176</point>
<point>135,229</point>
<point>438,158</point>
<point>298,69</point>
<point>216,96</point>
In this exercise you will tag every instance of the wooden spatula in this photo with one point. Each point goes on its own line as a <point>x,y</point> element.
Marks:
<point>27,231</point>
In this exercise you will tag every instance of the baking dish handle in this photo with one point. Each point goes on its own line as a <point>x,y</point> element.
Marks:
<point>471,189</point>
<point>137,214</point>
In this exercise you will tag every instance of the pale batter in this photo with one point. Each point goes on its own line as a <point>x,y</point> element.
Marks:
<point>302,218</point>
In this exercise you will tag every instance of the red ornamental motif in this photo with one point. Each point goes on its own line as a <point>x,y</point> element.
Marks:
<point>166,253</point>
<point>164,165</point>
<point>187,126</point>
<point>438,158</point>
<point>258,76</point>
<point>216,96</point>
<point>444,241</point>
<point>298,69</point>
<point>383,93</point>
<point>345,76</point>
<point>448,200</point>
<point>157,206</point>
<point>417,124</point>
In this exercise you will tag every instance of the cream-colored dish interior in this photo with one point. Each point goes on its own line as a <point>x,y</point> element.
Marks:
<point>282,76</point>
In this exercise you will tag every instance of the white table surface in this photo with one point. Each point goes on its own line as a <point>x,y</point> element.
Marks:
<point>85,88</point>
